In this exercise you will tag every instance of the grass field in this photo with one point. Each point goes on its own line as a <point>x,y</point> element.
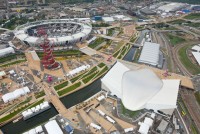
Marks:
<point>62,53</point>
<point>193,16</point>
<point>19,110</point>
<point>101,65</point>
<point>40,94</point>
<point>110,31</point>
<point>97,42</point>
<point>58,87</point>
<point>13,63</point>
<point>128,112</point>
<point>69,89</point>
<point>192,68</point>
<point>90,77</point>
<point>174,40</point>
<point>197,96</point>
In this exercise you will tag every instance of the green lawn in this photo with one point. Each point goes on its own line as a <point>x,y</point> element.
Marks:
<point>101,72</point>
<point>10,57</point>
<point>101,65</point>
<point>193,16</point>
<point>192,68</point>
<point>97,42</point>
<point>179,22</point>
<point>195,25</point>
<point>174,40</point>
<point>36,103</point>
<point>86,80</point>
<point>194,129</point>
<point>110,31</point>
<point>58,87</point>
<point>62,53</point>
<point>69,89</point>
<point>39,94</point>
<point>90,72</point>
<point>197,96</point>
<point>116,54</point>
<point>13,63</point>
<point>128,112</point>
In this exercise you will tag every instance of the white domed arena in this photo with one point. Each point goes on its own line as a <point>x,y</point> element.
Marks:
<point>60,32</point>
<point>141,88</point>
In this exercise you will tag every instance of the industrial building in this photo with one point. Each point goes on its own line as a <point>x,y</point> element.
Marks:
<point>141,88</point>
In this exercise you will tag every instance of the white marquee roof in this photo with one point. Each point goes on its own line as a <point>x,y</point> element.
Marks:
<point>150,53</point>
<point>15,94</point>
<point>140,89</point>
<point>197,56</point>
<point>52,127</point>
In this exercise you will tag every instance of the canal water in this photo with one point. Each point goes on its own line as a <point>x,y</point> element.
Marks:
<point>82,95</point>
<point>69,101</point>
<point>129,56</point>
<point>22,126</point>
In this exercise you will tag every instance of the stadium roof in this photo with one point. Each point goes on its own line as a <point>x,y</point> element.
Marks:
<point>52,127</point>
<point>139,89</point>
<point>150,54</point>
<point>20,32</point>
<point>197,56</point>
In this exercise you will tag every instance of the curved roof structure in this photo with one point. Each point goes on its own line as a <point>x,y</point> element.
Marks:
<point>66,33</point>
<point>141,88</point>
<point>142,85</point>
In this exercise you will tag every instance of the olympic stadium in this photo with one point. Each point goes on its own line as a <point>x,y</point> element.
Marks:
<point>60,32</point>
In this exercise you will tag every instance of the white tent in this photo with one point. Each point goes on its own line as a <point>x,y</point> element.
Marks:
<point>52,127</point>
<point>139,89</point>
<point>6,51</point>
<point>15,94</point>
<point>144,128</point>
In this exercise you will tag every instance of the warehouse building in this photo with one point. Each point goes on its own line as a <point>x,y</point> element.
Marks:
<point>150,54</point>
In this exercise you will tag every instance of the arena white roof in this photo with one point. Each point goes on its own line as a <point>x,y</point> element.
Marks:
<point>140,89</point>
<point>150,54</point>
<point>113,79</point>
<point>52,127</point>
<point>197,56</point>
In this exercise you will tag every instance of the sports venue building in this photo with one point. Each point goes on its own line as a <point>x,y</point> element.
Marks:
<point>141,88</point>
<point>59,31</point>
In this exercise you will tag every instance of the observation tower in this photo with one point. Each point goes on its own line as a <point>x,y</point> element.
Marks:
<point>48,60</point>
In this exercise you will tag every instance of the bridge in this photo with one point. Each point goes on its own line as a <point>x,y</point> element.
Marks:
<point>60,107</point>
